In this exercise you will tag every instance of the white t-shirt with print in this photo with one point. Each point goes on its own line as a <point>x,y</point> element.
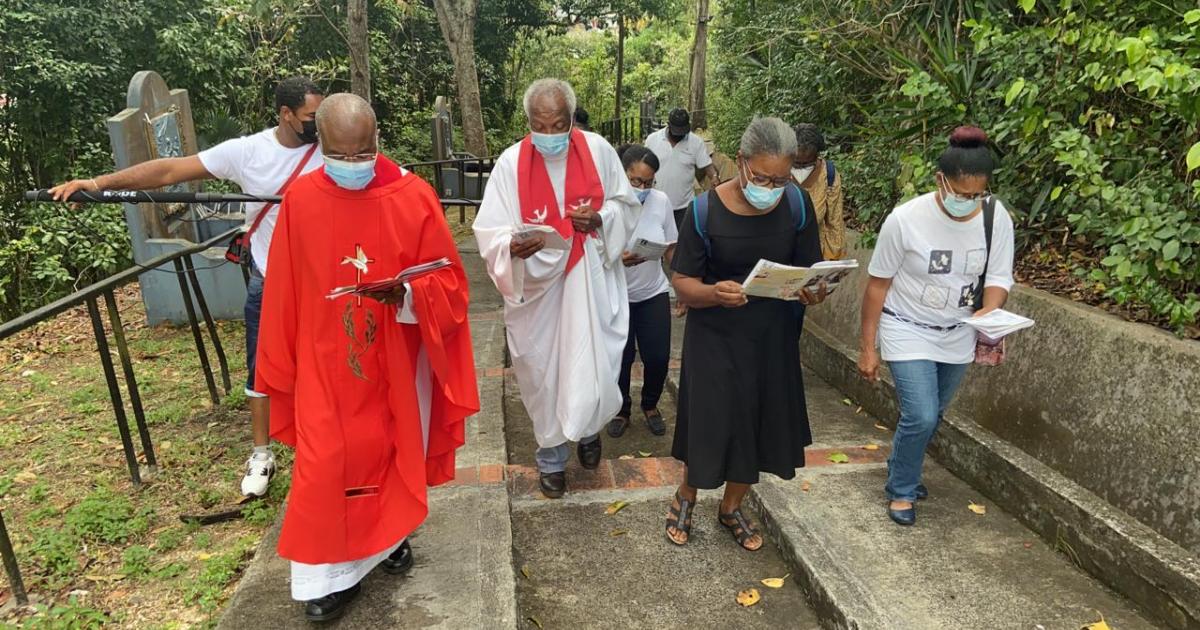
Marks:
<point>677,165</point>
<point>657,223</point>
<point>934,263</point>
<point>259,165</point>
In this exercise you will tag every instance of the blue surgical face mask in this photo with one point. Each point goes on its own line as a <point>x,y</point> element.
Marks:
<point>551,144</point>
<point>761,197</point>
<point>956,206</point>
<point>350,175</point>
<point>642,194</point>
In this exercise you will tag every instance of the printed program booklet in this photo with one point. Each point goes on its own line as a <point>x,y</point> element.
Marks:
<point>647,249</point>
<point>408,275</point>
<point>784,282</point>
<point>554,240</point>
<point>998,324</point>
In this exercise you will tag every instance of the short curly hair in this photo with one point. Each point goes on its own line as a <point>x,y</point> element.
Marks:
<point>292,91</point>
<point>809,137</point>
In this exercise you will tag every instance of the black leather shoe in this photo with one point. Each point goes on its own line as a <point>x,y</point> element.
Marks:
<point>903,517</point>
<point>400,560</point>
<point>553,484</point>
<point>922,492</point>
<point>589,454</point>
<point>331,606</point>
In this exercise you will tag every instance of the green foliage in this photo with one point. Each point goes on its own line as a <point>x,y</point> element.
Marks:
<point>135,561</point>
<point>1093,108</point>
<point>69,616</point>
<point>106,516</point>
<point>215,576</point>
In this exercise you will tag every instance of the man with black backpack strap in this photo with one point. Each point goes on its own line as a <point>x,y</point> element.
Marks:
<point>261,164</point>
<point>820,179</point>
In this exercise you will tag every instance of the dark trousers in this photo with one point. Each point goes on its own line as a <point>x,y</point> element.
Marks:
<point>679,214</point>
<point>650,329</point>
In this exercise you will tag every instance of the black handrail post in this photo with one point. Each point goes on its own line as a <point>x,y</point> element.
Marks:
<point>114,391</point>
<point>131,386</point>
<point>11,567</point>
<point>209,323</point>
<point>200,349</point>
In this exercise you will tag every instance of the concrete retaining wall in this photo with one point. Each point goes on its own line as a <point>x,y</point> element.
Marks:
<point>1089,434</point>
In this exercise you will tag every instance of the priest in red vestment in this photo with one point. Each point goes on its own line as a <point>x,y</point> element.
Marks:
<point>371,392</point>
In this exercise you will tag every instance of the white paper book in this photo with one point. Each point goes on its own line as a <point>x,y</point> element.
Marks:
<point>998,324</point>
<point>408,275</point>
<point>784,282</point>
<point>647,249</point>
<point>554,240</point>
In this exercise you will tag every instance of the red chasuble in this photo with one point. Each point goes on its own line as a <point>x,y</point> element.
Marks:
<point>341,373</point>
<point>539,205</point>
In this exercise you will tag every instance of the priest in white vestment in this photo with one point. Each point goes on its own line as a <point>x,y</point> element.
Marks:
<point>566,309</point>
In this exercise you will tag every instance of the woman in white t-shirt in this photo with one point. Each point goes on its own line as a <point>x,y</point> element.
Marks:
<point>924,280</point>
<point>649,302</point>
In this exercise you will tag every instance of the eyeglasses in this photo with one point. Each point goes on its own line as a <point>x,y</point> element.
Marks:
<point>765,181</point>
<point>638,182</point>
<point>358,157</point>
<point>964,196</point>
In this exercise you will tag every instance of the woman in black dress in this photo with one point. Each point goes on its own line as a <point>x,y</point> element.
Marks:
<point>741,394</point>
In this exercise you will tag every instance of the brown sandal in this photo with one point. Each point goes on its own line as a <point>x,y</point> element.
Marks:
<point>680,518</point>
<point>741,529</point>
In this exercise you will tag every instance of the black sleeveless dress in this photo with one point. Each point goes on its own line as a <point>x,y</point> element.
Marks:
<point>741,391</point>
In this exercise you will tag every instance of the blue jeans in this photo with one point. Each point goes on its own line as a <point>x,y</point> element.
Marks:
<point>553,459</point>
<point>252,313</point>
<point>924,390</point>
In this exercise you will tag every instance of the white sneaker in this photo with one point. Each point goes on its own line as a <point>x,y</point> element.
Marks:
<point>259,470</point>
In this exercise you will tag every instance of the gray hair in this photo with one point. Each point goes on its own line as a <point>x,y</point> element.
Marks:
<point>768,136</point>
<point>343,108</point>
<point>549,87</point>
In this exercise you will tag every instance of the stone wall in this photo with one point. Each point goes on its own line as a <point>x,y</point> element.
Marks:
<point>1111,405</point>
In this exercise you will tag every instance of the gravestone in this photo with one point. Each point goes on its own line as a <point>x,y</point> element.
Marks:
<point>157,123</point>
<point>461,180</point>
<point>442,128</point>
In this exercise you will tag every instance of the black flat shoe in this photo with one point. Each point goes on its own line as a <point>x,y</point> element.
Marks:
<point>922,492</point>
<point>400,560</point>
<point>654,422</point>
<point>589,454</point>
<point>331,606</point>
<point>553,484</point>
<point>617,426</point>
<point>903,517</point>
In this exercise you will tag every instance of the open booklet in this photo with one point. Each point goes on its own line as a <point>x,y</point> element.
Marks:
<point>784,282</point>
<point>554,240</point>
<point>647,249</point>
<point>408,275</point>
<point>998,324</point>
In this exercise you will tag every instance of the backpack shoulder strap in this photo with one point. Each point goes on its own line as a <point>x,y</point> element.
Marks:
<point>797,205</point>
<point>700,219</point>
<point>989,220</point>
<point>830,173</point>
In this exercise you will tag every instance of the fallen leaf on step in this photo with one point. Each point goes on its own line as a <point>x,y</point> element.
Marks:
<point>859,410</point>
<point>25,477</point>
<point>615,506</point>
<point>202,556</point>
<point>775,582</point>
<point>839,458</point>
<point>534,621</point>
<point>847,402</point>
<point>1028,545</point>
<point>525,571</point>
<point>805,486</point>
<point>871,447</point>
<point>976,508</point>
<point>748,597</point>
<point>626,457</point>
<point>645,453</point>
<point>1099,625</point>
<point>880,427</point>
<point>617,532</point>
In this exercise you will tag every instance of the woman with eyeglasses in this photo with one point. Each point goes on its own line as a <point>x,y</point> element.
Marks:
<point>741,393</point>
<point>649,302</point>
<point>930,270</point>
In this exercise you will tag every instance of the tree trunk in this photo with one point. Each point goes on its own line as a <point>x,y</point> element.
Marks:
<point>698,78</point>
<point>360,48</point>
<point>457,21</point>
<point>620,69</point>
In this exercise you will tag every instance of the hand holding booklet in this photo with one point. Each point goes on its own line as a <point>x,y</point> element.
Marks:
<point>784,282</point>
<point>408,275</point>
<point>553,239</point>
<point>998,324</point>
<point>647,249</point>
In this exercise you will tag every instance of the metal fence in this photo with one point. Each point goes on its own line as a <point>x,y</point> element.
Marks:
<point>630,129</point>
<point>465,178</point>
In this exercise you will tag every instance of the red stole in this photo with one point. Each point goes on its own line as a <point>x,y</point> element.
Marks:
<point>539,206</point>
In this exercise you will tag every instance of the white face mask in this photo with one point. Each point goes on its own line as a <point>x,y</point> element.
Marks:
<point>801,174</point>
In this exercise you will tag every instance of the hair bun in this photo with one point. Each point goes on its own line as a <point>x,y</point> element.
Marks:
<point>968,137</point>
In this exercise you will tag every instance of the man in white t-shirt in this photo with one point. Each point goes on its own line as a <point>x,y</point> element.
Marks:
<point>259,164</point>
<point>683,160</point>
